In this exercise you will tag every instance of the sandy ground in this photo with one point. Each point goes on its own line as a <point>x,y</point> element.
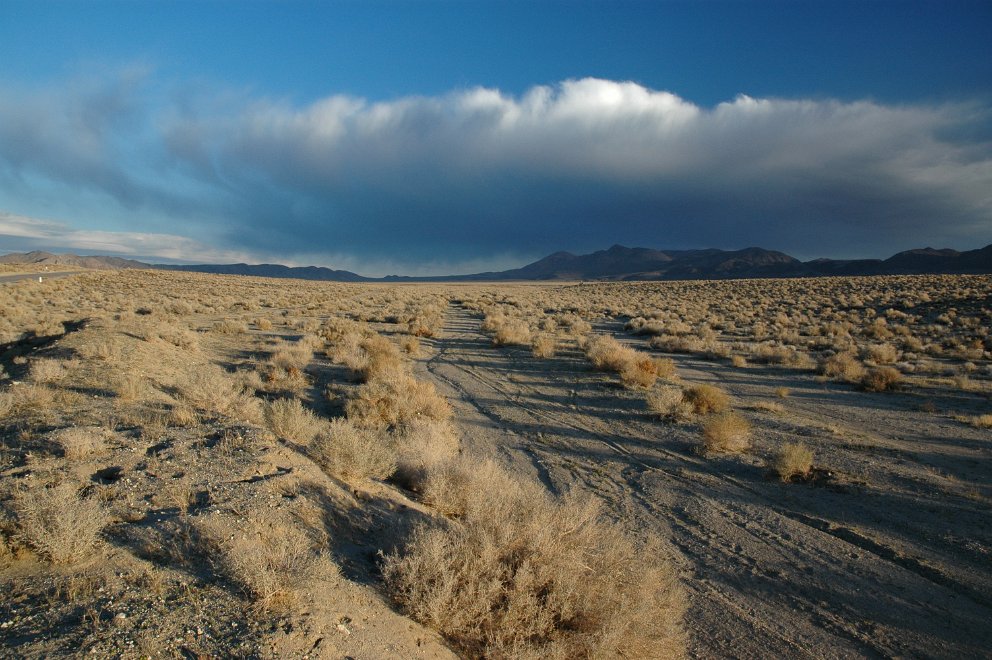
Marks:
<point>885,554</point>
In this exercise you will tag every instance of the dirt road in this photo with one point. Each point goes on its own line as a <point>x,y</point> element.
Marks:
<point>887,555</point>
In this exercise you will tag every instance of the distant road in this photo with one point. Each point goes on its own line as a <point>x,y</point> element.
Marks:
<point>14,277</point>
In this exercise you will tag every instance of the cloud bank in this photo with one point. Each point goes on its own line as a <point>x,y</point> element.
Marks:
<point>478,174</point>
<point>20,233</point>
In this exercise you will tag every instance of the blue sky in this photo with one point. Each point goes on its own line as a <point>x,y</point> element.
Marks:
<point>427,137</point>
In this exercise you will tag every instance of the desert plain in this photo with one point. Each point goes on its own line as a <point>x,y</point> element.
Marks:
<point>200,466</point>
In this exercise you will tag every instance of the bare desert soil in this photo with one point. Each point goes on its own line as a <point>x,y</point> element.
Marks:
<point>882,549</point>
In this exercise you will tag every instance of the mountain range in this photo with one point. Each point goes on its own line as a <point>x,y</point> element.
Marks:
<point>616,263</point>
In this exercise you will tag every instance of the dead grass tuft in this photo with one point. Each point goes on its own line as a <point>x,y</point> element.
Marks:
<point>511,332</point>
<point>211,390</point>
<point>544,347</point>
<point>80,442</point>
<point>58,523</point>
<point>396,401</point>
<point>349,452</point>
<point>272,565</point>
<point>289,419</point>
<point>707,399</point>
<point>420,447</point>
<point>46,371</point>
<point>843,366</point>
<point>642,371</point>
<point>794,459</point>
<point>668,402</point>
<point>881,379</point>
<point>727,433</point>
<point>522,575</point>
<point>230,327</point>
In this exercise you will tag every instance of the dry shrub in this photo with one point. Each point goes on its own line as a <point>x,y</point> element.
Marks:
<point>635,368</point>
<point>843,366</point>
<point>6,405</point>
<point>210,389</point>
<point>426,325</point>
<point>512,332</point>
<point>230,327</point>
<point>350,452</point>
<point>642,371</point>
<point>769,406</point>
<point>272,565</point>
<point>59,524</point>
<point>981,421</point>
<point>575,325</point>
<point>544,346</point>
<point>183,415</point>
<point>30,400</point>
<point>448,486</point>
<point>726,433</point>
<point>410,346</point>
<point>346,347</point>
<point>103,349</point>
<point>492,321</point>
<point>881,379</point>
<point>368,357</point>
<point>665,368</point>
<point>263,324</point>
<point>707,399</point>
<point>738,361</point>
<point>80,442</point>
<point>881,353</point>
<point>45,371</point>
<point>288,419</point>
<point>784,355</point>
<point>782,392</point>
<point>523,575</point>
<point>964,383</point>
<point>183,338</point>
<point>669,402</point>
<point>607,354</point>
<point>793,459</point>
<point>421,446</point>
<point>130,387</point>
<point>293,357</point>
<point>390,403</point>
<point>382,358</point>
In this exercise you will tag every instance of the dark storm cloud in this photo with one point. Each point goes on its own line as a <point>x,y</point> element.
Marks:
<point>581,165</point>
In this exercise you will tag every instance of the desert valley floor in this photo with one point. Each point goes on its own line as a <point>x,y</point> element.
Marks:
<point>162,403</point>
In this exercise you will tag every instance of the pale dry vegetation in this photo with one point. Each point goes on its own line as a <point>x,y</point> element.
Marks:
<point>58,523</point>
<point>706,399</point>
<point>351,452</point>
<point>793,459</point>
<point>726,433</point>
<point>519,574</point>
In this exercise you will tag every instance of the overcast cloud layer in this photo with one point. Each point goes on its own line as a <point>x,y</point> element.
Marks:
<point>477,179</point>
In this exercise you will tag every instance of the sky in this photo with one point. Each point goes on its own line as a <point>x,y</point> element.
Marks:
<point>453,137</point>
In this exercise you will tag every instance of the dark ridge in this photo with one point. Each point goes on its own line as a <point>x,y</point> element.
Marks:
<point>617,263</point>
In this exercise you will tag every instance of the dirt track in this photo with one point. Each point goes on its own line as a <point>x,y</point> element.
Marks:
<point>887,555</point>
<point>16,277</point>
